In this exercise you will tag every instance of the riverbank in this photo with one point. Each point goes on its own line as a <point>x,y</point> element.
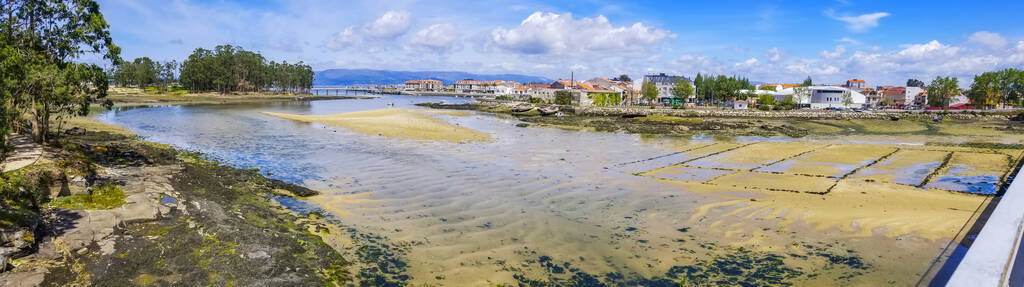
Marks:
<point>102,208</point>
<point>723,122</point>
<point>123,97</point>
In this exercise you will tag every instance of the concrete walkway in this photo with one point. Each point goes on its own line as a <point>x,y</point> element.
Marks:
<point>991,259</point>
<point>25,153</point>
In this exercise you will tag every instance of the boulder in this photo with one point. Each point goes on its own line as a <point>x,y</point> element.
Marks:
<point>78,185</point>
<point>16,242</point>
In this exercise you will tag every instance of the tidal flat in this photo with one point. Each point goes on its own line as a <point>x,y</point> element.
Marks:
<point>565,201</point>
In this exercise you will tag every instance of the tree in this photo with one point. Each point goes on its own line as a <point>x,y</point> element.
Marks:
<point>915,83</point>
<point>801,94</point>
<point>807,82</point>
<point>40,41</point>
<point>682,89</point>
<point>649,92</point>
<point>227,69</point>
<point>788,102</point>
<point>941,90</point>
<point>768,88</point>
<point>698,82</point>
<point>765,100</point>
<point>623,78</point>
<point>847,98</point>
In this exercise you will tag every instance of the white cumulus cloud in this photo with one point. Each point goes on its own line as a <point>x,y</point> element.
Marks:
<point>928,51</point>
<point>838,52</point>
<point>343,40</point>
<point>859,23</point>
<point>561,34</point>
<point>390,25</point>
<point>437,37</point>
<point>988,39</point>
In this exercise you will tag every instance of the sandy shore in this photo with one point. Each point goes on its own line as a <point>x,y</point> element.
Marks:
<point>395,123</point>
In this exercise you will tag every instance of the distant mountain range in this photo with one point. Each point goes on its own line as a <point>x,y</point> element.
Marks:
<point>344,77</point>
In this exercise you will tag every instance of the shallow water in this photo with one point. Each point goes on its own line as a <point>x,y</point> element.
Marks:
<point>616,206</point>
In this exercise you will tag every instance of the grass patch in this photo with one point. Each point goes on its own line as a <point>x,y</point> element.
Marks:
<point>105,196</point>
<point>196,158</point>
<point>673,119</point>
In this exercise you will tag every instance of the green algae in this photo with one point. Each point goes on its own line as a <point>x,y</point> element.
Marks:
<point>107,196</point>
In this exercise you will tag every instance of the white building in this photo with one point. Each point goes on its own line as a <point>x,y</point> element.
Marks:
<point>820,97</point>
<point>832,97</point>
<point>664,84</point>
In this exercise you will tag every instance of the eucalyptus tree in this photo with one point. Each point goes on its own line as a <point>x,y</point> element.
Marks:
<point>227,69</point>
<point>41,40</point>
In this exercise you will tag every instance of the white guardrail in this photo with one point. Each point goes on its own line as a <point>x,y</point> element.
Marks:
<point>991,259</point>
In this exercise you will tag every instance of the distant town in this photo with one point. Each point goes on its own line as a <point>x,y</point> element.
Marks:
<point>666,90</point>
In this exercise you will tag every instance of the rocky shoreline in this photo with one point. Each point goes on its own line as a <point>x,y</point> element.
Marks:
<point>726,122</point>
<point>183,220</point>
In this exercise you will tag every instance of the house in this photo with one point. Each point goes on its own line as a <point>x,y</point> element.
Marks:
<point>664,84</point>
<point>896,96</point>
<point>469,86</point>
<point>856,85</point>
<point>543,93</point>
<point>916,95</point>
<point>739,105</point>
<point>423,85</point>
<point>873,97</point>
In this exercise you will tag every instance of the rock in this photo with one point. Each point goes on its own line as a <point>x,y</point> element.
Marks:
<point>75,131</point>
<point>77,185</point>
<point>258,255</point>
<point>522,125</point>
<point>16,242</point>
<point>682,128</point>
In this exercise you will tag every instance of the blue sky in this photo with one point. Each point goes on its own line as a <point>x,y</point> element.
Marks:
<point>773,41</point>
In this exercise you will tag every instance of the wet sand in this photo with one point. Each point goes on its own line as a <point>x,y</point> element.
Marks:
<point>559,206</point>
<point>395,123</point>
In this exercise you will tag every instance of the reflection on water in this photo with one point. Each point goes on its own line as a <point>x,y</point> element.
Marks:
<point>538,198</point>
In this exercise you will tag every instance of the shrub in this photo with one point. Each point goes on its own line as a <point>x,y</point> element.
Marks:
<point>764,107</point>
<point>536,100</point>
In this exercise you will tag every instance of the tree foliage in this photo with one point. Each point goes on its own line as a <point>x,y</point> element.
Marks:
<point>915,83</point>
<point>39,42</point>
<point>720,88</point>
<point>682,89</point>
<point>941,90</point>
<point>807,82</point>
<point>623,78</point>
<point>649,92</point>
<point>228,69</point>
<point>999,88</point>
<point>801,94</point>
<point>788,102</point>
<point>765,100</point>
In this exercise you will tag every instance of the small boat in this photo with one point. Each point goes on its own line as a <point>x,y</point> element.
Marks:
<point>522,109</point>
<point>548,110</point>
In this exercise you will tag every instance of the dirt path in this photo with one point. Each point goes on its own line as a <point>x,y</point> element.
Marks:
<point>25,153</point>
